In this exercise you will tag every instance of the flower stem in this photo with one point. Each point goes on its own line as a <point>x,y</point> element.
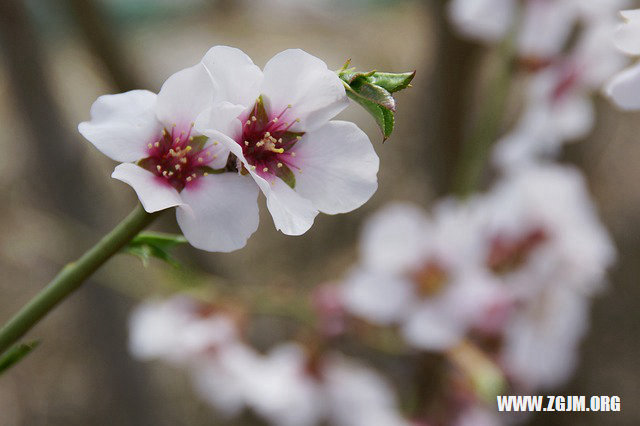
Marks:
<point>73,275</point>
<point>475,151</point>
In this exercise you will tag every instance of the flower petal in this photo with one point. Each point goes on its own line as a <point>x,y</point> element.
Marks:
<point>395,238</point>
<point>316,94</point>
<point>624,88</point>
<point>154,193</point>
<point>339,167</point>
<point>377,296</point>
<point>184,96</point>
<point>431,328</point>
<point>487,20</point>
<point>235,77</point>
<point>627,35</point>
<point>122,125</point>
<point>292,214</point>
<point>221,117</point>
<point>220,212</point>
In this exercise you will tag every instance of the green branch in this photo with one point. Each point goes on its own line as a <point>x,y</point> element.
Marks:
<point>73,275</point>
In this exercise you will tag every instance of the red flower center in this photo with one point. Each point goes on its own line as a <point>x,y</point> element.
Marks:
<point>179,158</point>
<point>267,143</point>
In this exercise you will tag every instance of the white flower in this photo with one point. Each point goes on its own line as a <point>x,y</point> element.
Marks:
<point>356,395</point>
<point>422,274</point>
<point>286,388</point>
<point>486,20</point>
<point>222,378</point>
<point>276,124</point>
<point>624,88</point>
<point>491,20</point>
<point>168,163</point>
<point>177,330</point>
<point>541,228</point>
<point>558,106</point>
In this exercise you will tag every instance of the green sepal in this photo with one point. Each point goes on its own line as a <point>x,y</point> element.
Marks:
<point>289,139</point>
<point>210,170</point>
<point>15,354</point>
<point>286,174</point>
<point>148,164</point>
<point>383,116</point>
<point>154,244</point>
<point>260,112</point>
<point>198,142</point>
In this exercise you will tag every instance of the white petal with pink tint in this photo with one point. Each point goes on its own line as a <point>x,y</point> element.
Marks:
<point>377,296</point>
<point>555,17</point>
<point>624,88</point>
<point>433,328</point>
<point>235,77</point>
<point>221,117</point>
<point>122,125</point>
<point>316,94</point>
<point>292,214</point>
<point>339,167</point>
<point>220,212</point>
<point>184,96</point>
<point>154,193</point>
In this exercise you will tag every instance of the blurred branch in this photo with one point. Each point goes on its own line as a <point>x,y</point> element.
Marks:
<point>476,149</point>
<point>447,97</point>
<point>90,19</point>
<point>56,163</point>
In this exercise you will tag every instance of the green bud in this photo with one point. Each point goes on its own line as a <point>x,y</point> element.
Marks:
<point>372,90</point>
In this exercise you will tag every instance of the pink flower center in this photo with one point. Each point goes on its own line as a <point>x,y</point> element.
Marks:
<point>179,158</point>
<point>507,254</point>
<point>267,143</point>
<point>567,78</point>
<point>430,278</point>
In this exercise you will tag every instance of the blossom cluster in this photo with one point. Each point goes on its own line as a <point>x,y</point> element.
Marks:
<point>512,271</point>
<point>222,130</point>
<point>289,386</point>
<point>564,46</point>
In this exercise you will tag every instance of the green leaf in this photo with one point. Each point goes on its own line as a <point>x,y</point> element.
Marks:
<point>147,245</point>
<point>160,239</point>
<point>285,173</point>
<point>391,82</point>
<point>373,93</point>
<point>15,354</point>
